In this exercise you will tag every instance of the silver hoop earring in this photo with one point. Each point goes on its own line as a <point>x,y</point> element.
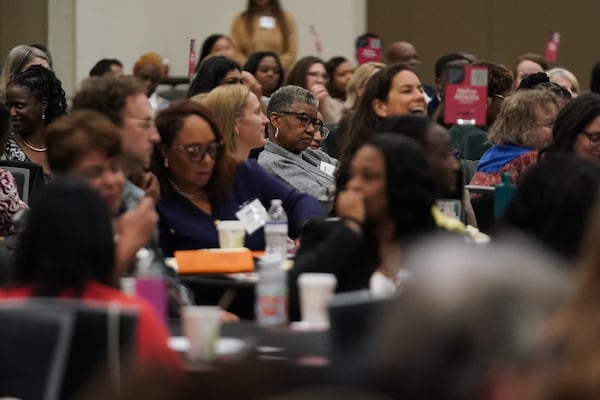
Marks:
<point>276,132</point>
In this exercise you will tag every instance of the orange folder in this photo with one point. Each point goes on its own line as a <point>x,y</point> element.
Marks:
<point>214,261</point>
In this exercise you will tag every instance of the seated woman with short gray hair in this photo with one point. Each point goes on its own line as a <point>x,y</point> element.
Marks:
<point>293,113</point>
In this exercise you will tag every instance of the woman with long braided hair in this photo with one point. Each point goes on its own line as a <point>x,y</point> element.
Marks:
<point>35,98</point>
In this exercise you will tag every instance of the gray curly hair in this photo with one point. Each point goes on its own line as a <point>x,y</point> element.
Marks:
<point>286,96</point>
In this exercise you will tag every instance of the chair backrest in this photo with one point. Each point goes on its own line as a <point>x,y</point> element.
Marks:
<point>351,317</point>
<point>29,176</point>
<point>33,350</point>
<point>95,337</point>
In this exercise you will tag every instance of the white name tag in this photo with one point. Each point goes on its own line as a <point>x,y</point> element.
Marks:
<point>253,215</point>
<point>266,22</point>
<point>327,168</point>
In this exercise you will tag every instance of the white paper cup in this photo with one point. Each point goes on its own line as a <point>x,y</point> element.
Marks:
<point>316,289</point>
<point>201,325</point>
<point>231,234</point>
<point>450,207</point>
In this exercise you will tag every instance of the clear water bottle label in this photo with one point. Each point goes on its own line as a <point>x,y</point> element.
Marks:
<point>277,227</point>
<point>272,309</point>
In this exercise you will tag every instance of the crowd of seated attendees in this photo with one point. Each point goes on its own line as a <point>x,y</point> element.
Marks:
<point>360,155</point>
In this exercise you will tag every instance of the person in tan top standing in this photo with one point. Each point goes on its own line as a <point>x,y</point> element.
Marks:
<point>264,26</point>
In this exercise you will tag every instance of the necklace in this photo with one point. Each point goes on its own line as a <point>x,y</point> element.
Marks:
<point>188,195</point>
<point>30,146</point>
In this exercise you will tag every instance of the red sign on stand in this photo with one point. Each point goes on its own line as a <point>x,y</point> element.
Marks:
<point>552,47</point>
<point>466,95</point>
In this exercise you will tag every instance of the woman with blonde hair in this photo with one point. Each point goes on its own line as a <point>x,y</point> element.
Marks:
<point>564,78</point>
<point>238,113</point>
<point>356,85</point>
<point>521,129</point>
<point>18,60</point>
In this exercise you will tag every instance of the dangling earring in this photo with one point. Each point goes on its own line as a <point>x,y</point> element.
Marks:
<point>166,163</point>
<point>276,132</point>
<point>43,116</point>
<point>237,132</point>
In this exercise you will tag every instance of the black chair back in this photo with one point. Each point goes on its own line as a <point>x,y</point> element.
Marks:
<point>29,176</point>
<point>56,347</point>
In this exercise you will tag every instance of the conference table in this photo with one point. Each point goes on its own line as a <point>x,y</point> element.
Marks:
<point>266,360</point>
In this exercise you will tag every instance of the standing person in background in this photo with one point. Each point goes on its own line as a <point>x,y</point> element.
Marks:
<point>149,70</point>
<point>264,26</point>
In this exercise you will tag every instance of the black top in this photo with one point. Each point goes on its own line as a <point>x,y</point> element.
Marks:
<point>330,246</point>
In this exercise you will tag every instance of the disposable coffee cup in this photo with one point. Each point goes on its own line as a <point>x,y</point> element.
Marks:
<point>316,289</point>
<point>201,325</point>
<point>231,234</point>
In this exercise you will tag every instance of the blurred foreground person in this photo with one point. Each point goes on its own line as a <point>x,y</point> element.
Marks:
<point>467,324</point>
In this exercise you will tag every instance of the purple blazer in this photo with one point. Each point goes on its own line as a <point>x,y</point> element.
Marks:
<point>183,226</point>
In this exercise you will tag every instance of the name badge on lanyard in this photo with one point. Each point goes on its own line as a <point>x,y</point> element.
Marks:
<point>266,22</point>
<point>329,169</point>
<point>253,215</point>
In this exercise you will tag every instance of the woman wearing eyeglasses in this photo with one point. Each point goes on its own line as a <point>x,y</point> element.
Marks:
<point>202,184</point>
<point>309,72</point>
<point>521,129</point>
<point>577,129</point>
<point>293,113</point>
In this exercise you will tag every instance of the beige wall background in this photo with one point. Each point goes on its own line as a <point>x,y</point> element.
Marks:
<point>80,32</point>
<point>495,30</point>
<point>22,22</point>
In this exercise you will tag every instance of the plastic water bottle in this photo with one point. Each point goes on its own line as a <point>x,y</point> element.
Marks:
<point>150,282</point>
<point>276,231</point>
<point>271,292</point>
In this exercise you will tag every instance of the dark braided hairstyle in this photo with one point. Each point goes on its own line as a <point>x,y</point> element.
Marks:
<point>43,84</point>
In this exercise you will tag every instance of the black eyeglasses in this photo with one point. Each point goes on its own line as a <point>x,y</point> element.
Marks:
<point>306,120</point>
<point>197,152</point>
<point>324,133</point>
<point>594,138</point>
